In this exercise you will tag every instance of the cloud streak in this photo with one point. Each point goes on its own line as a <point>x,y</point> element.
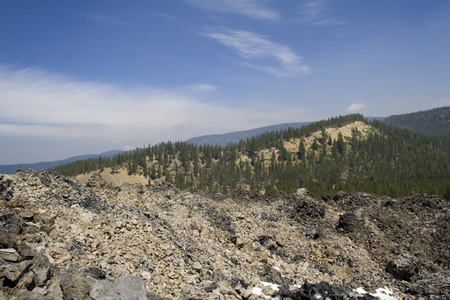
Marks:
<point>356,107</point>
<point>315,13</point>
<point>109,20</point>
<point>259,52</point>
<point>248,8</point>
<point>37,103</point>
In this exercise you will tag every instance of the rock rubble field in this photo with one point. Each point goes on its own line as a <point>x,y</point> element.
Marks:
<point>63,240</point>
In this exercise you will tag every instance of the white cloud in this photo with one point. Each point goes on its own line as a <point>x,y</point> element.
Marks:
<point>129,147</point>
<point>356,107</point>
<point>249,8</point>
<point>183,126</point>
<point>259,52</point>
<point>40,104</point>
<point>315,13</point>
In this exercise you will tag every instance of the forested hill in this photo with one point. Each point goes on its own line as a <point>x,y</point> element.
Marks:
<point>346,153</point>
<point>435,121</point>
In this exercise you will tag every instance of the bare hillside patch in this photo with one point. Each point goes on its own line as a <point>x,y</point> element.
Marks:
<point>117,179</point>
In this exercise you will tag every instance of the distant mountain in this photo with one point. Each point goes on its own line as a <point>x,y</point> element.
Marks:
<point>235,137</point>
<point>8,169</point>
<point>435,121</point>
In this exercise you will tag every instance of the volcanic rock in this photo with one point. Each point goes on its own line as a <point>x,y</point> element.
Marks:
<point>404,266</point>
<point>63,240</point>
<point>122,288</point>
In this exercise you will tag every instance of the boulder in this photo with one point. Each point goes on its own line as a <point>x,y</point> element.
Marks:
<point>41,268</point>
<point>403,267</point>
<point>349,222</point>
<point>25,251</point>
<point>5,239</point>
<point>9,255</point>
<point>75,286</point>
<point>14,272</point>
<point>28,281</point>
<point>31,295</point>
<point>434,284</point>
<point>340,195</point>
<point>27,214</point>
<point>11,223</point>
<point>126,287</point>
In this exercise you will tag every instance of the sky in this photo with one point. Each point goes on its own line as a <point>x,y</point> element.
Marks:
<point>83,77</point>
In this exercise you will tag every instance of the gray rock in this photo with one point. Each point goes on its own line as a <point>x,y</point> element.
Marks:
<point>41,269</point>
<point>25,251</point>
<point>14,272</point>
<point>153,296</point>
<point>11,223</point>
<point>6,186</point>
<point>31,295</point>
<point>27,214</point>
<point>5,239</point>
<point>75,286</point>
<point>434,284</point>
<point>403,267</point>
<point>349,222</point>
<point>126,287</point>
<point>9,255</point>
<point>210,287</point>
<point>28,281</point>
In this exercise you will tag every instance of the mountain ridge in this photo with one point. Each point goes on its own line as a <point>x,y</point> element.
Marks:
<point>236,136</point>
<point>10,168</point>
<point>435,121</point>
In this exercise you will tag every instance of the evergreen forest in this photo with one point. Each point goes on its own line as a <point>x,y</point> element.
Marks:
<point>434,121</point>
<point>345,153</point>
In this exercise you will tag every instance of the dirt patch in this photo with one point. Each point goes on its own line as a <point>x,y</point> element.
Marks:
<point>117,179</point>
<point>346,131</point>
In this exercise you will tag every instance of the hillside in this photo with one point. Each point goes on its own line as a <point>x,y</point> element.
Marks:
<point>435,121</point>
<point>63,240</point>
<point>121,176</point>
<point>347,153</point>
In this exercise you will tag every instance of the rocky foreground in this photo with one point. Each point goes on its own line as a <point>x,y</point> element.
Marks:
<point>62,240</point>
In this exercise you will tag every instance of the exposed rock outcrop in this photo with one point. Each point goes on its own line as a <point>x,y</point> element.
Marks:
<point>62,240</point>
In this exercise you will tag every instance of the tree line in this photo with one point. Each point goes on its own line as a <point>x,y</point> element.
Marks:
<point>387,160</point>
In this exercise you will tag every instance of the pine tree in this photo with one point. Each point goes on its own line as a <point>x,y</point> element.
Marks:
<point>301,150</point>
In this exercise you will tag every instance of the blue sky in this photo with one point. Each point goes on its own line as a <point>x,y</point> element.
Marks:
<point>80,77</point>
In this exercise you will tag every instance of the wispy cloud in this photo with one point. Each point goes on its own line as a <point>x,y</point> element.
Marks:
<point>202,88</point>
<point>315,13</point>
<point>110,20</point>
<point>183,126</point>
<point>260,52</point>
<point>249,8</point>
<point>37,103</point>
<point>356,107</point>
